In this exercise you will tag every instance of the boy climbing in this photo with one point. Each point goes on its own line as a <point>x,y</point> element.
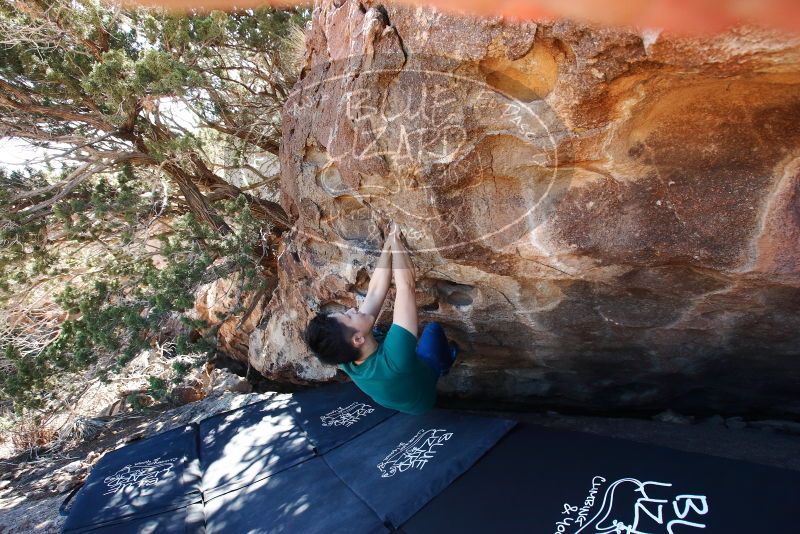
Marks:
<point>397,373</point>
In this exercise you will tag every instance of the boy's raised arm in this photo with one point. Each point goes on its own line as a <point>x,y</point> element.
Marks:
<point>405,303</point>
<point>380,281</point>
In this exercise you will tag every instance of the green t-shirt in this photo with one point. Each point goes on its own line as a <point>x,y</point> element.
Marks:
<point>394,376</point>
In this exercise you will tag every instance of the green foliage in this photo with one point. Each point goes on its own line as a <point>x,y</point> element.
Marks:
<point>98,80</point>
<point>121,308</point>
<point>22,252</point>
<point>116,61</point>
<point>158,388</point>
<point>137,401</point>
<point>181,369</point>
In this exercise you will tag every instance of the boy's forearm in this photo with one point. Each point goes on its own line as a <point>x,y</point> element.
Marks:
<point>405,305</point>
<point>382,276</point>
<point>402,267</point>
<point>378,283</point>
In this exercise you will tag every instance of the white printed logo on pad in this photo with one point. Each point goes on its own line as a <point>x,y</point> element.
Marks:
<point>346,416</point>
<point>146,473</point>
<point>415,453</point>
<point>631,506</point>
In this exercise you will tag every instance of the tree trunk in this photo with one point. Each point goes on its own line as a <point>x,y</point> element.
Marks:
<point>198,204</point>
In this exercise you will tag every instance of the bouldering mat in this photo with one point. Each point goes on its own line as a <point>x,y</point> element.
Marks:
<point>188,520</point>
<point>333,415</point>
<point>148,477</point>
<point>399,465</point>
<point>328,460</point>
<point>554,481</point>
<point>306,498</point>
<point>240,447</point>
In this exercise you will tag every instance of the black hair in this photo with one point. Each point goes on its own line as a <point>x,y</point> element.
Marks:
<point>329,340</point>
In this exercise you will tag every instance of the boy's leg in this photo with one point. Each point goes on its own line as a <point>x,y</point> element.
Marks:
<point>434,349</point>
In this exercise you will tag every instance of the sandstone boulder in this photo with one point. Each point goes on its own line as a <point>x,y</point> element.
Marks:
<point>235,313</point>
<point>602,218</point>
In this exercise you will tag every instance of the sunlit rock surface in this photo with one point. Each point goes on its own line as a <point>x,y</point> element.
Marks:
<point>603,219</point>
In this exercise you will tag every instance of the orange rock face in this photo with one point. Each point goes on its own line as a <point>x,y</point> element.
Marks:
<point>235,314</point>
<point>601,218</point>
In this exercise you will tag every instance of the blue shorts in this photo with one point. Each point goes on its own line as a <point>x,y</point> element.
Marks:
<point>434,349</point>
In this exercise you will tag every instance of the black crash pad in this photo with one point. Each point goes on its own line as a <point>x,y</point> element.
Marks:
<point>151,476</point>
<point>553,481</point>
<point>399,465</point>
<point>329,461</point>
<point>243,446</point>
<point>187,520</point>
<point>333,415</point>
<point>306,498</point>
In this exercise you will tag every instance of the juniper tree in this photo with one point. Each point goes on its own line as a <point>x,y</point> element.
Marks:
<point>98,86</point>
